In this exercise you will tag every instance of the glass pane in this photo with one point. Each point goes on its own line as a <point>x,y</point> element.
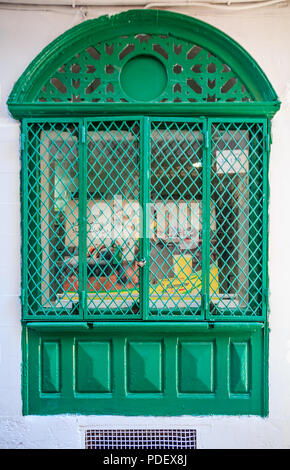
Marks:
<point>53,184</point>
<point>236,228</point>
<point>176,218</point>
<point>113,190</point>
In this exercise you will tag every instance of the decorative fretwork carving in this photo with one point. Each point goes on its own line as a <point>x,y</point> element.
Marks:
<point>194,74</point>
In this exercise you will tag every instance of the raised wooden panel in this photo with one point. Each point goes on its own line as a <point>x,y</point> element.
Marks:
<point>50,370</point>
<point>239,367</point>
<point>196,367</point>
<point>93,366</point>
<point>144,367</point>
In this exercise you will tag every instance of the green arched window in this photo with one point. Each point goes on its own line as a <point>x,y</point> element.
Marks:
<point>144,186</point>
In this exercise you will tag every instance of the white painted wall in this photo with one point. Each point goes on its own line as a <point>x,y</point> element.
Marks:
<point>265,33</point>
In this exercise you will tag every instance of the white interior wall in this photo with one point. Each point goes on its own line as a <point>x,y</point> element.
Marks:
<point>265,34</point>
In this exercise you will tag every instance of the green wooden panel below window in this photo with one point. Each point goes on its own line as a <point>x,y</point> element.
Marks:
<point>167,369</point>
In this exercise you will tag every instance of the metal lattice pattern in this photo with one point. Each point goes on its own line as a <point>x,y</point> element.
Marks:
<point>176,220</point>
<point>84,193</point>
<point>113,188</point>
<point>95,74</point>
<point>53,225</point>
<point>140,439</point>
<point>237,195</point>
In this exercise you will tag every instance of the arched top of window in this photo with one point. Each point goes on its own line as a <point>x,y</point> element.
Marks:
<point>139,57</point>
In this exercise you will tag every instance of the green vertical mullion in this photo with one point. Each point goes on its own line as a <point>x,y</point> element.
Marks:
<point>24,218</point>
<point>206,193</point>
<point>82,218</point>
<point>265,378</point>
<point>25,370</point>
<point>145,136</point>
<point>265,279</point>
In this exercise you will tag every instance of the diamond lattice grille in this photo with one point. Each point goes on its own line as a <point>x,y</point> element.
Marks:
<point>176,219</point>
<point>113,218</point>
<point>236,228</point>
<point>53,225</point>
<point>85,186</point>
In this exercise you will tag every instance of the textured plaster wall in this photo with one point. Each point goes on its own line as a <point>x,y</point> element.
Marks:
<point>265,34</point>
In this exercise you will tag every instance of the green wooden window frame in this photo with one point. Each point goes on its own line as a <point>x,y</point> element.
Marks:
<point>209,358</point>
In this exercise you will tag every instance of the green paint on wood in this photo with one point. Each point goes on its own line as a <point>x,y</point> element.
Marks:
<point>93,366</point>
<point>94,61</point>
<point>197,367</point>
<point>143,78</point>
<point>144,366</point>
<point>50,373</point>
<point>128,65</point>
<point>240,369</point>
<point>174,370</point>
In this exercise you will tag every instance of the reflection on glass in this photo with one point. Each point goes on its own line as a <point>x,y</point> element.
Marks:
<point>59,182</point>
<point>176,218</point>
<point>176,214</point>
<point>236,195</point>
<point>113,218</point>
